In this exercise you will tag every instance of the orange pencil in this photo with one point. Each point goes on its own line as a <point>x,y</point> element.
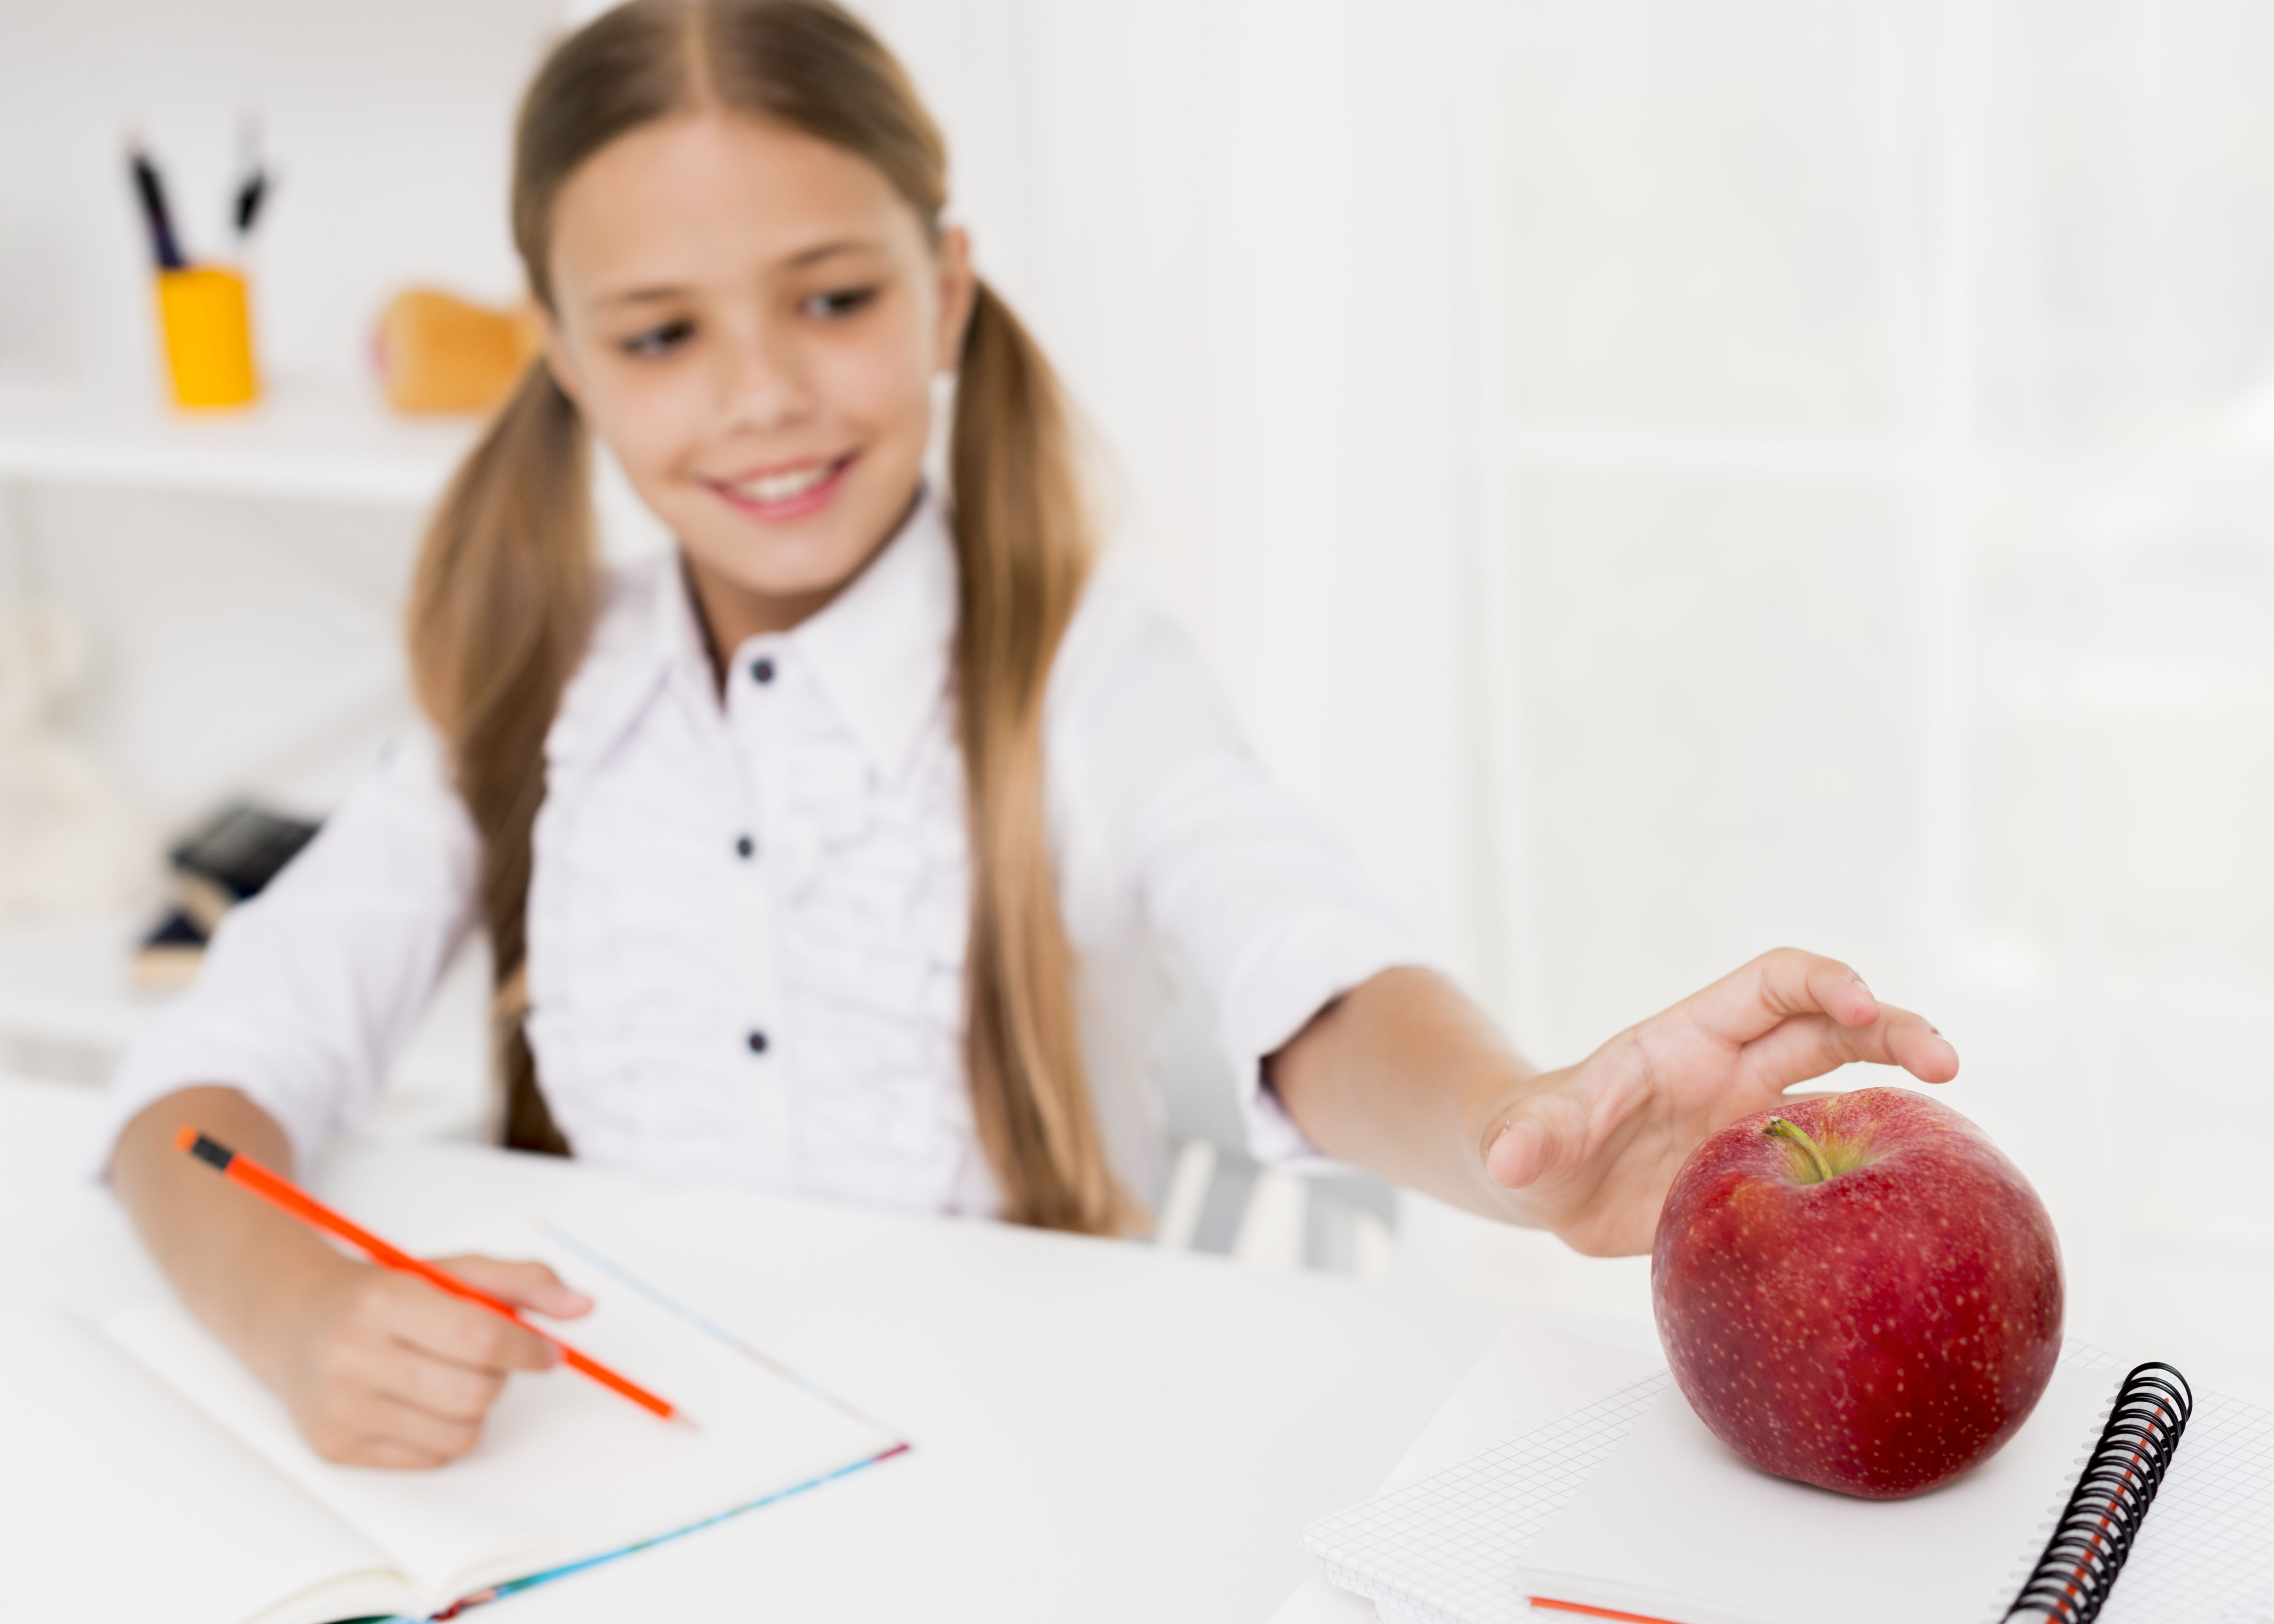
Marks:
<point>284,1194</point>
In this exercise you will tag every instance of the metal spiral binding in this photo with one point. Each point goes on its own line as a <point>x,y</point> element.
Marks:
<point>2093,1535</point>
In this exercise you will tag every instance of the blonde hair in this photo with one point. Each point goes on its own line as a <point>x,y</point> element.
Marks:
<point>507,582</point>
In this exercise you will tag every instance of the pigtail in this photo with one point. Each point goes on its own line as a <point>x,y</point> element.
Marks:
<point>501,607</point>
<point>1022,537</point>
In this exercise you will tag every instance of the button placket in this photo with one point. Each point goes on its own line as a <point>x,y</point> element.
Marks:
<point>760,727</point>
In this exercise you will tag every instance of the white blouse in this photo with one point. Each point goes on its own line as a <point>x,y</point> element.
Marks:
<point>747,920</point>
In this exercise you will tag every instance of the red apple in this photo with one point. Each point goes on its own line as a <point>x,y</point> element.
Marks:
<point>1859,1292</point>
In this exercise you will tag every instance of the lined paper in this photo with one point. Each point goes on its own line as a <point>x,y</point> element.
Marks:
<point>1446,1547</point>
<point>2206,1551</point>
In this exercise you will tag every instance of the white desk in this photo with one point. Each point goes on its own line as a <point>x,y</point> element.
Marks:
<point>1103,1431</point>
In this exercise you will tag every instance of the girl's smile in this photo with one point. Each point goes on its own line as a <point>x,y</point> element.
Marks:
<point>785,492</point>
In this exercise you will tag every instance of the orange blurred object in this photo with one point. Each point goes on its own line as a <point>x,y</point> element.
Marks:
<point>436,352</point>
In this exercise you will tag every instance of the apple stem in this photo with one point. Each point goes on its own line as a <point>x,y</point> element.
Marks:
<point>1811,1163</point>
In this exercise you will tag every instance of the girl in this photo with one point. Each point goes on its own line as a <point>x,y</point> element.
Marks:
<point>843,852</point>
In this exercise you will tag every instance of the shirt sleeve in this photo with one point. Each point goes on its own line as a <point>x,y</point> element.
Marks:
<point>1251,889</point>
<point>309,990</point>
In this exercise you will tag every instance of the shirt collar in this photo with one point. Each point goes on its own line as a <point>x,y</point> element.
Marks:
<point>879,652</point>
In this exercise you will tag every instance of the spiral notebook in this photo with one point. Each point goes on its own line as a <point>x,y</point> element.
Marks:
<point>1629,1509</point>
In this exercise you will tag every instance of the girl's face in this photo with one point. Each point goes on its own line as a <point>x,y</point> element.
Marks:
<point>751,318</point>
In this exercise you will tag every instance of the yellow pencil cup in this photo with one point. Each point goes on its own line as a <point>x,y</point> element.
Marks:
<point>208,336</point>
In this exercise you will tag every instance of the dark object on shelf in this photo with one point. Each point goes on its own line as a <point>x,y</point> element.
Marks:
<point>221,862</point>
<point>230,856</point>
<point>167,958</point>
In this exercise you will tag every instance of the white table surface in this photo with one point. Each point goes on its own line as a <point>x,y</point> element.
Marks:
<point>1102,1430</point>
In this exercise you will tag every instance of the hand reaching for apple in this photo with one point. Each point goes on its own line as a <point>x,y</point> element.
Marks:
<point>1590,1150</point>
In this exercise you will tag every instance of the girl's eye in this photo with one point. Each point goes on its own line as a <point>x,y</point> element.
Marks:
<point>840,302</point>
<point>660,341</point>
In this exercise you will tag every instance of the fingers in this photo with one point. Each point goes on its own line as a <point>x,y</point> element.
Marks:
<point>1589,1151</point>
<point>1913,1043</point>
<point>384,1431</point>
<point>1755,999</point>
<point>370,1399</point>
<point>1809,1046</point>
<point>524,1285</point>
<point>1549,1132</point>
<point>385,1452</point>
<point>463,1333</point>
<point>443,1387</point>
<point>1568,1156</point>
<point>1519,1153</point>
<point>399,1373</point>
<point>418,1431</point>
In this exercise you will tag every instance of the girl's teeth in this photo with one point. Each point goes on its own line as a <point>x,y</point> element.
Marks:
<point>781,488</point>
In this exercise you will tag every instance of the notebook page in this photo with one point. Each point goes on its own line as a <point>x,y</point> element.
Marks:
<point>1675,1526</point>
<point>119,1502</point>
<point>1444,1548</point>
<point>565,1469</point>
<point>2206,1551</point>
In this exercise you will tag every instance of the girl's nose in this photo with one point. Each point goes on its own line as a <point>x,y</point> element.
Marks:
<point>762,386</point>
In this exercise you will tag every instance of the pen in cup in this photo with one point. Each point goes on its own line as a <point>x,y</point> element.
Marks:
<point>164,247</point>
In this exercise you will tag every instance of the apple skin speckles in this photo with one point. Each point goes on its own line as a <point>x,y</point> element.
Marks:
<point>1877,1333</point>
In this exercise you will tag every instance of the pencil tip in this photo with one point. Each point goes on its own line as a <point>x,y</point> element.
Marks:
<point>680,1417</point>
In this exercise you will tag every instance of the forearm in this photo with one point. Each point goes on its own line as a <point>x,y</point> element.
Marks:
<point>1404,1076</point>
<point>232,1257</point>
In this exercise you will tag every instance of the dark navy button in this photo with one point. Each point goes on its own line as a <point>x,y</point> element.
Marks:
<point>762,671</point>
<point>758,1043</point>
<point>744,846</point>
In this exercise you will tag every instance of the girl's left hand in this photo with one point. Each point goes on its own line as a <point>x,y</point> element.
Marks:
<point>1590,1152</point>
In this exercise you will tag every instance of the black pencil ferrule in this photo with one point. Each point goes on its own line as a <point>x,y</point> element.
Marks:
<point>212,1153</point>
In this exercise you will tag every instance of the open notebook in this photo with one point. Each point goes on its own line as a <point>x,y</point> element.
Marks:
<point>164,1482</point>
<point>1631,1505</point>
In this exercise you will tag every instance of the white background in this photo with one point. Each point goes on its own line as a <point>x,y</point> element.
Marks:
<point>1671,477</point>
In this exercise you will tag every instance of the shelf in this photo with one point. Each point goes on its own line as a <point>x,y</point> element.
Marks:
<point>337,444</point>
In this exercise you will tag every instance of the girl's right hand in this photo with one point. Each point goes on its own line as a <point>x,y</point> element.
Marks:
<point>380,1369</point>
